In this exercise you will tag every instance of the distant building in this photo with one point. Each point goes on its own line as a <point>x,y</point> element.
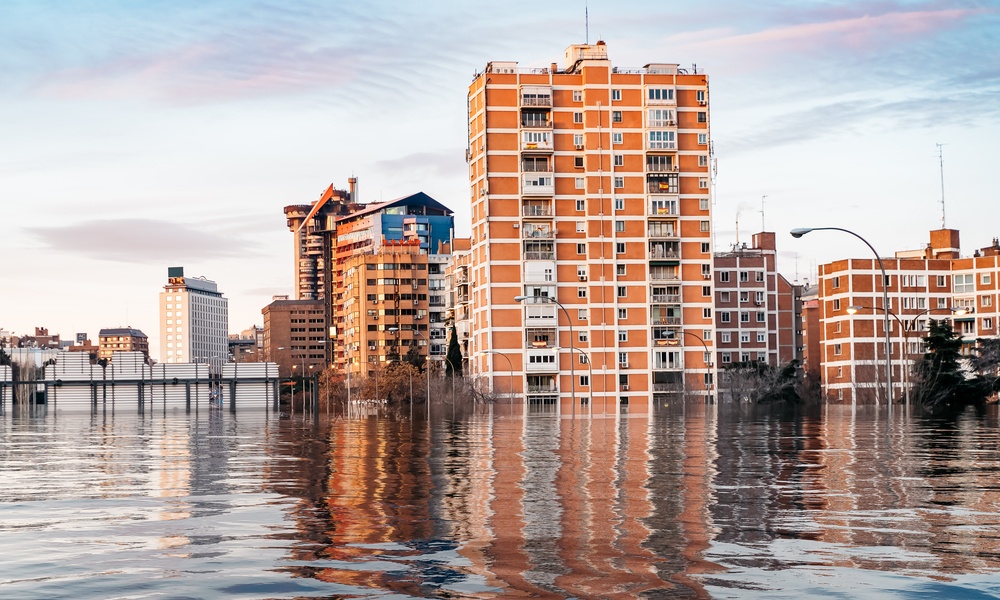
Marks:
<point>247,345</point>
<point>294,334</point>
<point>122,339</point>
<point>41,339</point>
<point>194,320</point>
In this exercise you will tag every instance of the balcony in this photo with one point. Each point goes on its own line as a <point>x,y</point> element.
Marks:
<point>661,123</point>
<point>537,185</point>
<point>664,251</point>
<point>663,208</point>
<point>664,320</point>
<point>539,255</point>
<point>661,140</point>
<point>542,388</point>
<point>540,337</point>
<point>541,361</point>
<point>544,100</point>
<point>536,140</point>
<point>540,315</point>
<point>536,210</point>
<point>661,166</point>
<point>663,184</point>
<point>662,230</point>
<point>538,232</point>
<point>666,298</point>
<point>664,274</point>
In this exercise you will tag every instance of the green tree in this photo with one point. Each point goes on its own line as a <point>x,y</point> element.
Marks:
<point>759,382</point>
<point>940,382</point>
<point>453,366</point>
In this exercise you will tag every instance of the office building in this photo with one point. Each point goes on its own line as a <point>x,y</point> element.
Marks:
<point>194,320</point>
<point>591,186</point>
<point>122,339</point>
<point>295,335</point>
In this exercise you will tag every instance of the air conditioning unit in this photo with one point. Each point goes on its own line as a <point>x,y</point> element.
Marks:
<point>623,365</point>
<point>703,102</point>
<point>583,277</point>
<point>670,123</point>
<point>375,317</point>
<point>579,146</point>
<point>625,388</point>
<point>677,168</point>
<point>706,275</point>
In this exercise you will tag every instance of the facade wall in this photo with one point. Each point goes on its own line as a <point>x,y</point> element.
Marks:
<point>194,321</point>
<point>295,335</point>
<point>590,185</point>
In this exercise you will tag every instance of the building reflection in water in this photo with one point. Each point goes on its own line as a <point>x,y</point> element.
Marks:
<point>674,504</point>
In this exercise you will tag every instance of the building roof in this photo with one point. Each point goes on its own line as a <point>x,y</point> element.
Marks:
<point>418,199</point>
<point>123,331</point>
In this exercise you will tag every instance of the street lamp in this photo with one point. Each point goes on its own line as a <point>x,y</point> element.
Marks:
<point>708,361</point>
<point>905,328</point>
<point>590,375</point>
<point>427,370</point>
<point>801,231</point>
<point>510,373</point>
<point>572,371</point>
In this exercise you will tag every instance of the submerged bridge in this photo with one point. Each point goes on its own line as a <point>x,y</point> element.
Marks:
<point>73,383</point>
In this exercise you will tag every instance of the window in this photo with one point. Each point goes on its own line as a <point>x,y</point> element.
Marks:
<point>706,334</point>
<point>837,349</point>
<point>744,317</point>
<point>582,336</point>
<point>703,183</point>
<point>622,313</point>
<point>660,94</point>
<point>759,276</point>
<point>744,357</point>
<point>580,182</point>
<point>759,297</point>
<point>616,138</point>
<point>986,300</point>
<point>581,226</point>
<point>725,337</point>
<point>622,335</point>
<point>577,96</point>
<point>578,117</point>
<point>623,359</point>
<point>942,302</point>
<point>761,316</point>
<point>616,116</point>
<point>580,205</point>
<point>616,95</point>
<point>988,323</point>
<point>724,297</point>
<point>964,283</point>
<point>744,276</point>
<point>703,204</point>
<point>744,296</point>
<point>702,116</point>
<point>836,304</point>
<point>704,225</point>
<point>724,276</point>
<point>584,379</point>
<point>619,183</point>
<point>706,271</point>
<point>725,319</point>
<point>620,270</point>
<point>581,292</point>
<point>619,247</point>
<point>578,140</point>
<point>700,95</point>
<point>702,160</point>
<point>581,248</point>
<point>706,313</point>
<point>984,279</point>
<point>622,291</point>
<point>744,338</point>
<point>836,327</point>
<point>942,281</point>
<point>619,226</point>
<point>706,290</point>
<point>619,160</point>
<point>619,204</point>
<point>702,139</point>
<point>760,338</point>
<point>578,162</point>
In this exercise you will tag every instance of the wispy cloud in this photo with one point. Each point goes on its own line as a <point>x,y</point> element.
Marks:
<point>141,240</point>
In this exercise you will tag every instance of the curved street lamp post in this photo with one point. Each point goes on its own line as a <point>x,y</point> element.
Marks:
<point>801,231</point>
<point>572,371</point>
<point>708,360</point>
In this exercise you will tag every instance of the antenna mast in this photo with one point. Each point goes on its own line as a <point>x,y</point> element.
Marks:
<point>737,228</point>
<point>586,22</point>
<point>762,212</point>
<point>940,148</point>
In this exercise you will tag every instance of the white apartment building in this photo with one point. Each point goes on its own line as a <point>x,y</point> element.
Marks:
<point>194,320</point>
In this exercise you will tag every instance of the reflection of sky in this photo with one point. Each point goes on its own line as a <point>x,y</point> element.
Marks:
<point>151,134</point>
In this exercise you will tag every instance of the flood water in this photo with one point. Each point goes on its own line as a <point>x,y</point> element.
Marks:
<point>694,501</point>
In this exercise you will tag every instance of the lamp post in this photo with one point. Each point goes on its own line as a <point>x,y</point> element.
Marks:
<point>708,361</point>
<point>801,231</point>
<point>590,375</point>
<point>572,371</point>
<point>409,371</point>
<point>510,374</point>
<point>905,327</point>
<point>427,370</point>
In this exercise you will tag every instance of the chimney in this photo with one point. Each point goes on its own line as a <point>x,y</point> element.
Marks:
<point>352,183</point>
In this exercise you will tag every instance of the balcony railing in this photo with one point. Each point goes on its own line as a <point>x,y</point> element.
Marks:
<point>537,233</point>
<point>536,100</point>
<point>542,389</point>
<point>536,168</point>
<point>667,298</point>
<point>662,253</point>
<point>533,210</point>
<point>537,145</point>
<point>662,275</point>
<point>661,209</point>
<point>534,255</point>
<point>666,320</point>
<point>536,123</point>
<point>661,122</point>
<point>538,185</point>
<point>658,167</point>
<point>662,187</point>
<point>662,232</point>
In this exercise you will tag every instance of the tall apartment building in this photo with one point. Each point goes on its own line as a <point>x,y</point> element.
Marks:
<point>122,339</point>
<point>295,335</point>
<point>590,186</point>
<point>194,320</point>
<point>459,312</point>
<point>757,311</point>
<point>930,283</point>
<point>311,225</point>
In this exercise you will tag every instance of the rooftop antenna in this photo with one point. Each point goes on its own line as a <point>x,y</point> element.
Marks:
<point>586,22</point>
<point>940,148</point>
<point>737,228</point>
<point>762,212</point>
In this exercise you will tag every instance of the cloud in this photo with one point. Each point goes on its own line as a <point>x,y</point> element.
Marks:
<point>142,240</point>
<point>445,164</point>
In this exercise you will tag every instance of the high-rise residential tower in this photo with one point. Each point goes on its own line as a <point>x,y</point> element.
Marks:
<point>591,200</point>
<point>194,320</point>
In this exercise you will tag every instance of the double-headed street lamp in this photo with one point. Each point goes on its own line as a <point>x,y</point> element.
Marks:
<point>801,231</point>
<point>572,371</point>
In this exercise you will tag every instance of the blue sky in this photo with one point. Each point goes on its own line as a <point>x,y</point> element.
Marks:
<point>142,135</point>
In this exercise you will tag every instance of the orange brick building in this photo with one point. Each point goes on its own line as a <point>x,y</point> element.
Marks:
<point>590,185</point>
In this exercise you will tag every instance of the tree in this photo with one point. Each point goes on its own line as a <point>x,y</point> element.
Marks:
<point>940,382</point>
<point>759,382</point>
<point>453,364</point>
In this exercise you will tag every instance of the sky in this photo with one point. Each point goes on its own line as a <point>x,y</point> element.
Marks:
<point>135,136</point>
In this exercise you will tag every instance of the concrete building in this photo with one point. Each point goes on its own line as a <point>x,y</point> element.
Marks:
<point>591,185</point>
<point>930,283</point>
<point>311,225</point>
<point>194,320</point>
<point>122,339</point>
<point>459,313</point>
<point>295,335</point>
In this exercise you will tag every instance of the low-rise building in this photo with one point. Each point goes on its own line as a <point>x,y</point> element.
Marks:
<point>122,339</point>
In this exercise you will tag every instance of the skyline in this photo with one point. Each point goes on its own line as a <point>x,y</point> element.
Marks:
<point>178,134</point>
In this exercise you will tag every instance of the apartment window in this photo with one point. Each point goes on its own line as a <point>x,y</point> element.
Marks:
<point>582,336</point>
<point>725,337</point>
<point>706,334</point>
<point>942,302</point>
<point>984,279</point>
<point>619,204</point>
<point>578,117</point>
<point>988,323</point>
<point>577,96</point>
<point>702,116</point>
<point>660,94</point>
<point>700,95</point>
<point>578,162</point>
<point>706,313</point>
<point>581,314</point>
<point>616,138</point>
<point>581,248</point>
<point>579,181</point>
<point>704,225</point>
<point>584,380</point>
<point>620,270</point>
<point>619,247</point>
<point>578,140</point>
<point>836,304</point>
<point>761,316</point>
<point>702,139</point>
<point>726,358</point>
<point>619,226</point>
<point>744,276</point>
<point>705,249</point>
<point>836,327</point>
<point>840,373</point>
<point>744,338</point>
<point>622,335</point>
<point>622,291</point>
<point>724,297</point>
<point>619,183</point>
<point>744,296</point>
<point>581,226</point>
<point>622,313</point>
<point>581,292</point>
<point>619,160</point>
<point>703,204</point>
<point>724,317</point>
<point>616,95</point>
<point>580,205</point>
<point>986,300</point>
<point>623,359</point>
<point>964,283</point>
<point>702,160</point>
<point>724,276</point>
<point>837,349</point>
<point>706,271</point>
<point>759,276</point>
<point>706,290</point>
<point>616,116</point>
<point>759,297</point>
<point>744,317</point>
<point>703,183</point>
<point>942,281</point>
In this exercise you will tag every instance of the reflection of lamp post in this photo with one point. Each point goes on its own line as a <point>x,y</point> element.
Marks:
<point>572,371</point>
<point>708,361</point>
<point>510,373</point>
<point>905,327</point>
<point>590,375</point>
<point>797,233</point>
